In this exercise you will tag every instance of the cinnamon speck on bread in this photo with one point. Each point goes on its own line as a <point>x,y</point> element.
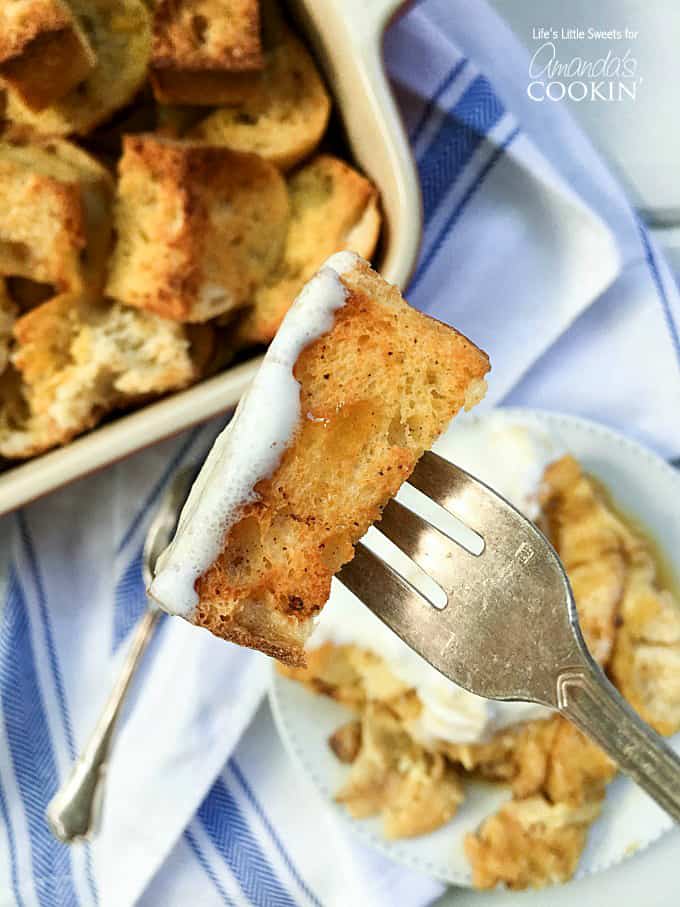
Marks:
<point>375,391</point>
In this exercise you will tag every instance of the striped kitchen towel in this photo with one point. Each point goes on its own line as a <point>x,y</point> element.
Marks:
<point>531,248</point>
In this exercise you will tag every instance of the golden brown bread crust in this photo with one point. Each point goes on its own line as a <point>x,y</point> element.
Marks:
<point>120,35</point>
<point>198,228</point>
<point>333,208</point>
<point>205,51</point>
<point>88,60</point>
<point>633,627</point>
<point>376,391</point>
<point>55,214</point>
<point>518,755</point>
<point>547,756</point>
<point>284,118</point>
<point>548,763</point>
<point>207,34</point>
<point>195,88</point>
<point>578,771</point>
<point>75,359</point>
<point>22,21</point>
<point>44,52</point>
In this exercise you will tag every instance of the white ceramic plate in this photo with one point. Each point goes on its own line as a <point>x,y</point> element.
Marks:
<point>647,488</point>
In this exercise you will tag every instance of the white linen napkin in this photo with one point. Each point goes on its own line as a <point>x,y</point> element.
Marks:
<point>532,250</point>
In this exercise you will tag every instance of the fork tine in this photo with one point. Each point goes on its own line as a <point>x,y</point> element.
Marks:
<point>454,490</point>
<point>392,599</point>
<point>511,606</point>
<point>438,555</point>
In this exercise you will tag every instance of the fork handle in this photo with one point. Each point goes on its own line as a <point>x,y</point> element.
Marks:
<point>73,812</point>
<point>592,703</point>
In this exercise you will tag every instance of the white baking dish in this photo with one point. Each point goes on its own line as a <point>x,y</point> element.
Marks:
<point>347,37</point>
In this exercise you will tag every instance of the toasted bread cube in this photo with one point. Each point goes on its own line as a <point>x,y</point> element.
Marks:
<point>221,35</point>
<point>44,52</point>
<point>120,34</point>
<point>198,45</point>
<point>345,403</point>
<point>55,215</point>
<point>198,227</point>
<point>76,360</point>
<point>284,120</point>
<point>333,208</point>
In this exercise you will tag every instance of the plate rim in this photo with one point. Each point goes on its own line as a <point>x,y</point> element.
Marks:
<point>392,849</point>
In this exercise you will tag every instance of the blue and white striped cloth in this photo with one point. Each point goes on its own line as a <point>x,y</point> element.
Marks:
<point>531,249</point>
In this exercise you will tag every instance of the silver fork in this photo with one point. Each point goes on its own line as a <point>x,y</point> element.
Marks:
<point>73,813</point>
<point>509,629</point>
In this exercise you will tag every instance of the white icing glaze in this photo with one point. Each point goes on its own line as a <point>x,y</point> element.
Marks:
<point>251,446</point>
<point>512,459</point>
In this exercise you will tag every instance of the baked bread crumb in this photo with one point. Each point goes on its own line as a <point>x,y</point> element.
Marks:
<point>333,208</point>
<point>120,34</point>
<point>55,214</point>
<point>75,360</point>
<point>284,119</point>
<point>199,44</point>
<point>44,52</point>
<point>198,228</point>
<point>346,742</point>
<point>375,391</point>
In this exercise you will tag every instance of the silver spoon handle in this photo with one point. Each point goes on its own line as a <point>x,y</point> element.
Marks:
<point>587,698</point>
<point>74,810</point>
